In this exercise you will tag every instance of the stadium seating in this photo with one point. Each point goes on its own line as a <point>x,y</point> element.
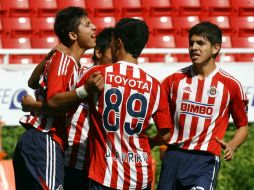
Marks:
<point>243,24</point>
<point>129,8</point>
<point>243,42</point>
<point>161,41</point>
<point>217,7</point>
<point>43,26</point>
<point>44,8</point>
<point>184,23</point>
<point>243,7</point>
<point>226,42</point>
<point>16,7</point>
<point>44,42</point>
<point>222,21</point>
<point>16,27</point>
<point>158,7</point>
<point>66,3</point>
<point>19,43</point>
<point>160,24</point>
<point>187,7</point>
<point>102,22</point>
<point>101,8</point>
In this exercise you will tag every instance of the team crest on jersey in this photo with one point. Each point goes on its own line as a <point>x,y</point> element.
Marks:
<point>213,92</point>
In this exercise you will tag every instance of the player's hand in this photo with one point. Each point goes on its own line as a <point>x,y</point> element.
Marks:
<point>27,102</point>
<point>228,151</point>
<point>95,82</point>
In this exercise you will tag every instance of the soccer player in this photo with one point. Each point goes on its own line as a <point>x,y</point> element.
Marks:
<point>76,170</point>
<point>38,158</point>
<point>120,155</point>
<point>201,98</point>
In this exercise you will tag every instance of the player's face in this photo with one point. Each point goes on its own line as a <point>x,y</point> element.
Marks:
<point>109,55</point>
<point>86,34</point>
<point>201,50</point>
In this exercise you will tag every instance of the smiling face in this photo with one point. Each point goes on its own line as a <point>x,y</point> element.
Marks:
<point>201,51</point>
<point>86,37</point>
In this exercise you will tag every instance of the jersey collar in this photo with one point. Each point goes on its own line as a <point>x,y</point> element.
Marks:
<point>129,64</point>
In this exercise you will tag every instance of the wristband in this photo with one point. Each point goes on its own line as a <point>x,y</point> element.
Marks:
<point>81,92</point>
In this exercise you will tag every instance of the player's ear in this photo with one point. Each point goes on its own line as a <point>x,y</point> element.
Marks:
<point>73,36</point>
<point>216,49</point>
<point>97,53</point>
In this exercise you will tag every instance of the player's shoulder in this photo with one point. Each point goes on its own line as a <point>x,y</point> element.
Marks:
<point>179,74</point>
<point>228,78</point>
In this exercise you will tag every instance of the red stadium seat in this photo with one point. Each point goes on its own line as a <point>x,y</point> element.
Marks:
<point>129,8</point>
<point>43,26</point>
<point>44,7</point>
<point>187,7</point>
<point>17,43</point>
<point>20,59</point>
<point>182,41</point>
<point>222,21</point>
<point>217,7</point>
<point>66,3</point>
<point>17,27</point>
<point>16,7</point>
<point>101,8</point>
<point>226,58</point>
<point>244,25</point>
<point>158,7</point>
<point>103,22</point>
<point>226,42</point>
<point>244,7</point>
<point>245,58</point>
<point>44,42</point>
<point>243,42</point>
<point>161,41</point>
<point>184,23</point>
<point>160,24</point>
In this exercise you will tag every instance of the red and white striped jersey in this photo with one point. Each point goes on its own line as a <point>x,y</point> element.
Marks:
<point>77,131</point>
<point>120,155</point>
<point>201,108</point>
<point>59,76</point>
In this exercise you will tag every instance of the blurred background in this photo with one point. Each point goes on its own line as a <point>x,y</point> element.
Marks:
<point>26,36</point>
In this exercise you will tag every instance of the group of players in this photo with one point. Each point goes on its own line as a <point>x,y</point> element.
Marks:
<point>87,127</point>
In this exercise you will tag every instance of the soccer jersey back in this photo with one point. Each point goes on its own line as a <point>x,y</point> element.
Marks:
<point>201,108</point>
<point>59,76</point>
<point>120,153</point>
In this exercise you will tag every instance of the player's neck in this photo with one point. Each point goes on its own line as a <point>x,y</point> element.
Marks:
<point>204,71</point>
<point>76,53</point>
<point>127,57</point>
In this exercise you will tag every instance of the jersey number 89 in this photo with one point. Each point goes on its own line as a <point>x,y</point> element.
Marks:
<point>114,106</point>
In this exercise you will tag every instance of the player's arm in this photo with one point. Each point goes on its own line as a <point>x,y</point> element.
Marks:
<point>162,120</point>
<point>240,136</point>
<point>238,107</point>
<point>61,102</point>
<point>33,81</point>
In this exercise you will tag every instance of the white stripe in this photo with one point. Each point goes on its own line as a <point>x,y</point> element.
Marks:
<point>60,65</point>
<point>66,68</point>
<point>109,164</point>
<point>50,163</point>
<point>225,74</point>
<point>201,121</point>
<point>54,165</point>
<point>64,65</point>
<point>188,117</point>
<point>217,161</point>
<point>47,164</point>
<point>216,114</point>
<point>176,115</point>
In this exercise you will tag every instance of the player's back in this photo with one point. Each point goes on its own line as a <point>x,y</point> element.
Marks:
<point>119,119</point>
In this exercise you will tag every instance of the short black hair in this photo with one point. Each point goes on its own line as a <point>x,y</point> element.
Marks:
<point>103,40</point>
<point>208,30</point>
<point>67,20</point>
<point>134,34</point>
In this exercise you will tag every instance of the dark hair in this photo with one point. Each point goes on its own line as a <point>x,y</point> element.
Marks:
<point>208,30</point>
<point>67,20</point>
<point>103,40</point>
<point>134,35</point>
